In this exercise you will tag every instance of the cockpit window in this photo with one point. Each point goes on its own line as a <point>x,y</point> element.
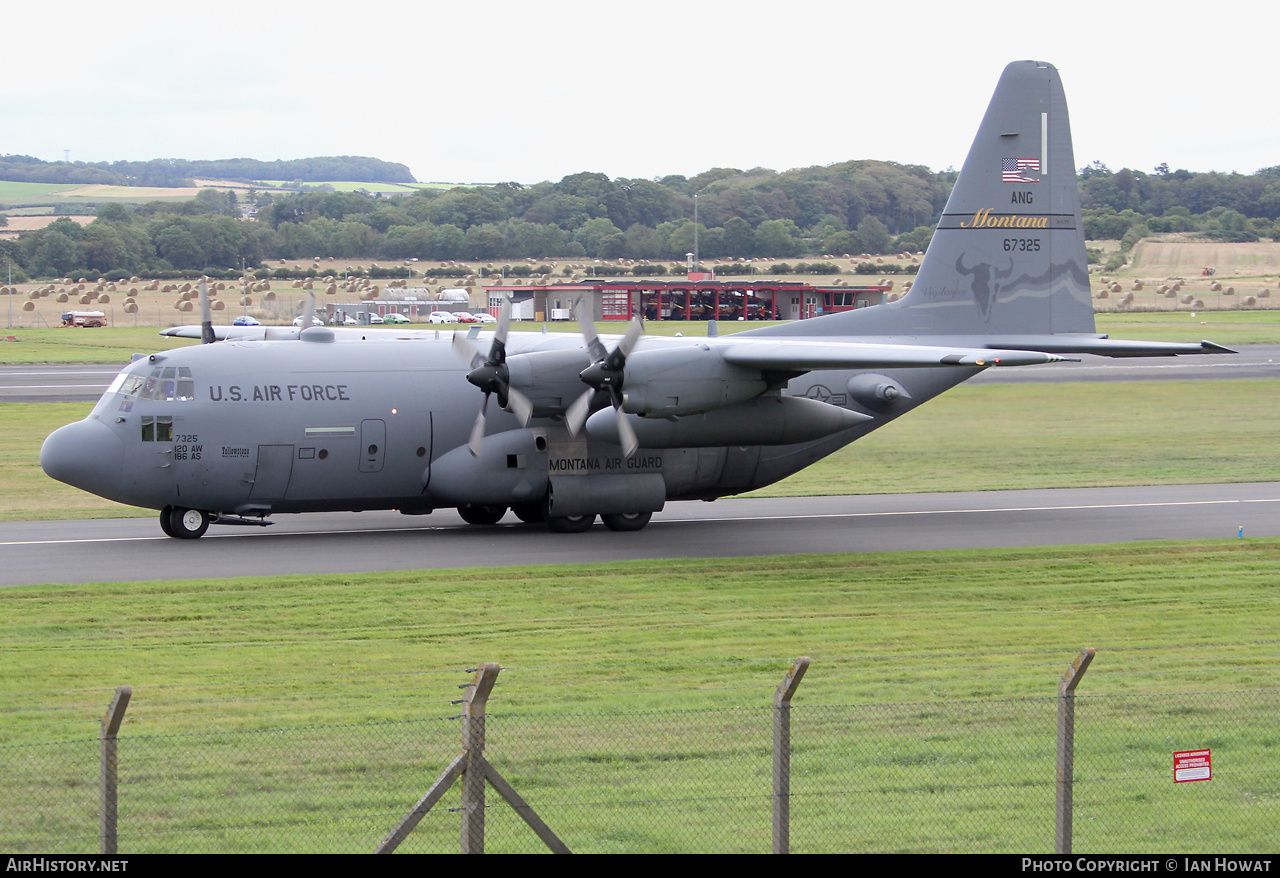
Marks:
<point>161,384</point>
<point>157,429</point>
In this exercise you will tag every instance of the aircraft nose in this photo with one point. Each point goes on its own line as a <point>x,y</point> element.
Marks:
<point>86,454</point>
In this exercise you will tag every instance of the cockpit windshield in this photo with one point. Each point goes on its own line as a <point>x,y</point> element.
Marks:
<point>161,384</point>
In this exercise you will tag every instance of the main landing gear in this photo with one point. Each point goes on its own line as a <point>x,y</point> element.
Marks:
<point>184,524</point>
<point>536,513</point>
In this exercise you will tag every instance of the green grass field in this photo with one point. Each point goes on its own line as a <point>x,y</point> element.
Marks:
<point>290,713</point>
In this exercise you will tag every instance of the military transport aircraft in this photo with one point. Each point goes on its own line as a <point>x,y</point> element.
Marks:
<point>275,420</point>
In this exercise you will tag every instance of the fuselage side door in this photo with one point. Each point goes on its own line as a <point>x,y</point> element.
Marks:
<point>271,480</point>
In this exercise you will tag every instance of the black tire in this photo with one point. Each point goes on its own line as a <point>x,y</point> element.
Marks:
<point>627,521</point>
<point>530,513</point>
<point>482,514</point>
<point>164,522</point>
<point>187,524</point>
<point>570,524</point>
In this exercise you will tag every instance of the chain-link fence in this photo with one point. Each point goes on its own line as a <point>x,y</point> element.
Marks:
<point>946,776</point>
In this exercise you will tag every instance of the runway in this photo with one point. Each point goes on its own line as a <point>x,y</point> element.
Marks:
<point>115,550</point>
<point>85,383</point>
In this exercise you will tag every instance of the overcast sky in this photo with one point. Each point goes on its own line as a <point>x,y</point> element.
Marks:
<point>532,91</point>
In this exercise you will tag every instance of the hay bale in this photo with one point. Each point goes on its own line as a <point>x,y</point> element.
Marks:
<point>28,306</point>
<point>1137,285</point>
<point>246,300</point>
<point>1249,301</point>
<point>1229,291</point>
<point>131,308</point>
<point>1102,294</point>
<point>1187,299</point>
<point>1215,287</point>
<point>1171,294</point>
<point>104,299</point>
<point>217,306</point>
<point>1197,303</point>
<point>1264,293</point>
<point>63,299</point>
<point>269,297</point>
<point>1115,288</point>
<point>85,300</point>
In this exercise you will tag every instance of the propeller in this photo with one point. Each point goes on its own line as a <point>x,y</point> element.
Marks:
<point>490,374</point>
<point>604,375</point>
<point>206,318</point>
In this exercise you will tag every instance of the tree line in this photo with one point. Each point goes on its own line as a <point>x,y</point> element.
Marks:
<point>850,207</point>
<point>182,172</point>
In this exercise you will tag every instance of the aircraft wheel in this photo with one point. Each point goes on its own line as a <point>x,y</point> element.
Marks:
<point>530,513</point>
<point>482,514</point>
<point>570,524</point>
<point>164,521</point>
<point>627,521</point>
<point>187,524</point>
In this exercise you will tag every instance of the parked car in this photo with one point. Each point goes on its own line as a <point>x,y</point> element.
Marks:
<point>441,317</point>
<point>485,317</point>
<point>374,319</point>
<point>465,317</point>
<point>395,318</point>
<point>245,320</point>
<point>315,321</point>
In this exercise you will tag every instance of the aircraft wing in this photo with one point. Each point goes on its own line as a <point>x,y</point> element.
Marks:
<point>804,356</point>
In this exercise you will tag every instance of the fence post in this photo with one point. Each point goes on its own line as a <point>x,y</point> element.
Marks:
<point>473,745</point>
<point>107,779</point>
<point>1066,749</point>
<point>782,755</point>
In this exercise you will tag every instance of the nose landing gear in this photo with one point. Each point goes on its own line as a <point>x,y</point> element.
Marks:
<point>183,524</point>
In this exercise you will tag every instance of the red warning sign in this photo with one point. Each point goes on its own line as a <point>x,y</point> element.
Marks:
<point>1192,765</point>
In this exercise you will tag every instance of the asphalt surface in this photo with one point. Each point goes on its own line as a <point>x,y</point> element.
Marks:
<point>134,549</point>
<point>85,383</point>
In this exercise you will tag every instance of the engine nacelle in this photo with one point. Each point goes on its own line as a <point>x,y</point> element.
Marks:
<point>549,379</point>
<point>678,381</point>
<point>511,468</point>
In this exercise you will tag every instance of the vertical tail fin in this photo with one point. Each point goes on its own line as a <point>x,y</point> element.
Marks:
<point>1008,255</point>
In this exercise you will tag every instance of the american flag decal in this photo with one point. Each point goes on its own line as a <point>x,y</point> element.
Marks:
<point>1020,170</point>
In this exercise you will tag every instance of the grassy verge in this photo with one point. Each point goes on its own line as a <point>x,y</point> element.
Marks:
<point>252,653</point>
<point>284,713</point>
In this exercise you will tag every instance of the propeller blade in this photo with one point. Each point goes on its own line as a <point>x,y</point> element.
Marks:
<point>504,321</point>
<point>587,323</point>
<point>519,405</point>
<point>576,415</point>
<point>206,318</point>
<point>625,432</point>
<point>634,330</point>
<point>466,352</point>
<point>477,431</point>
